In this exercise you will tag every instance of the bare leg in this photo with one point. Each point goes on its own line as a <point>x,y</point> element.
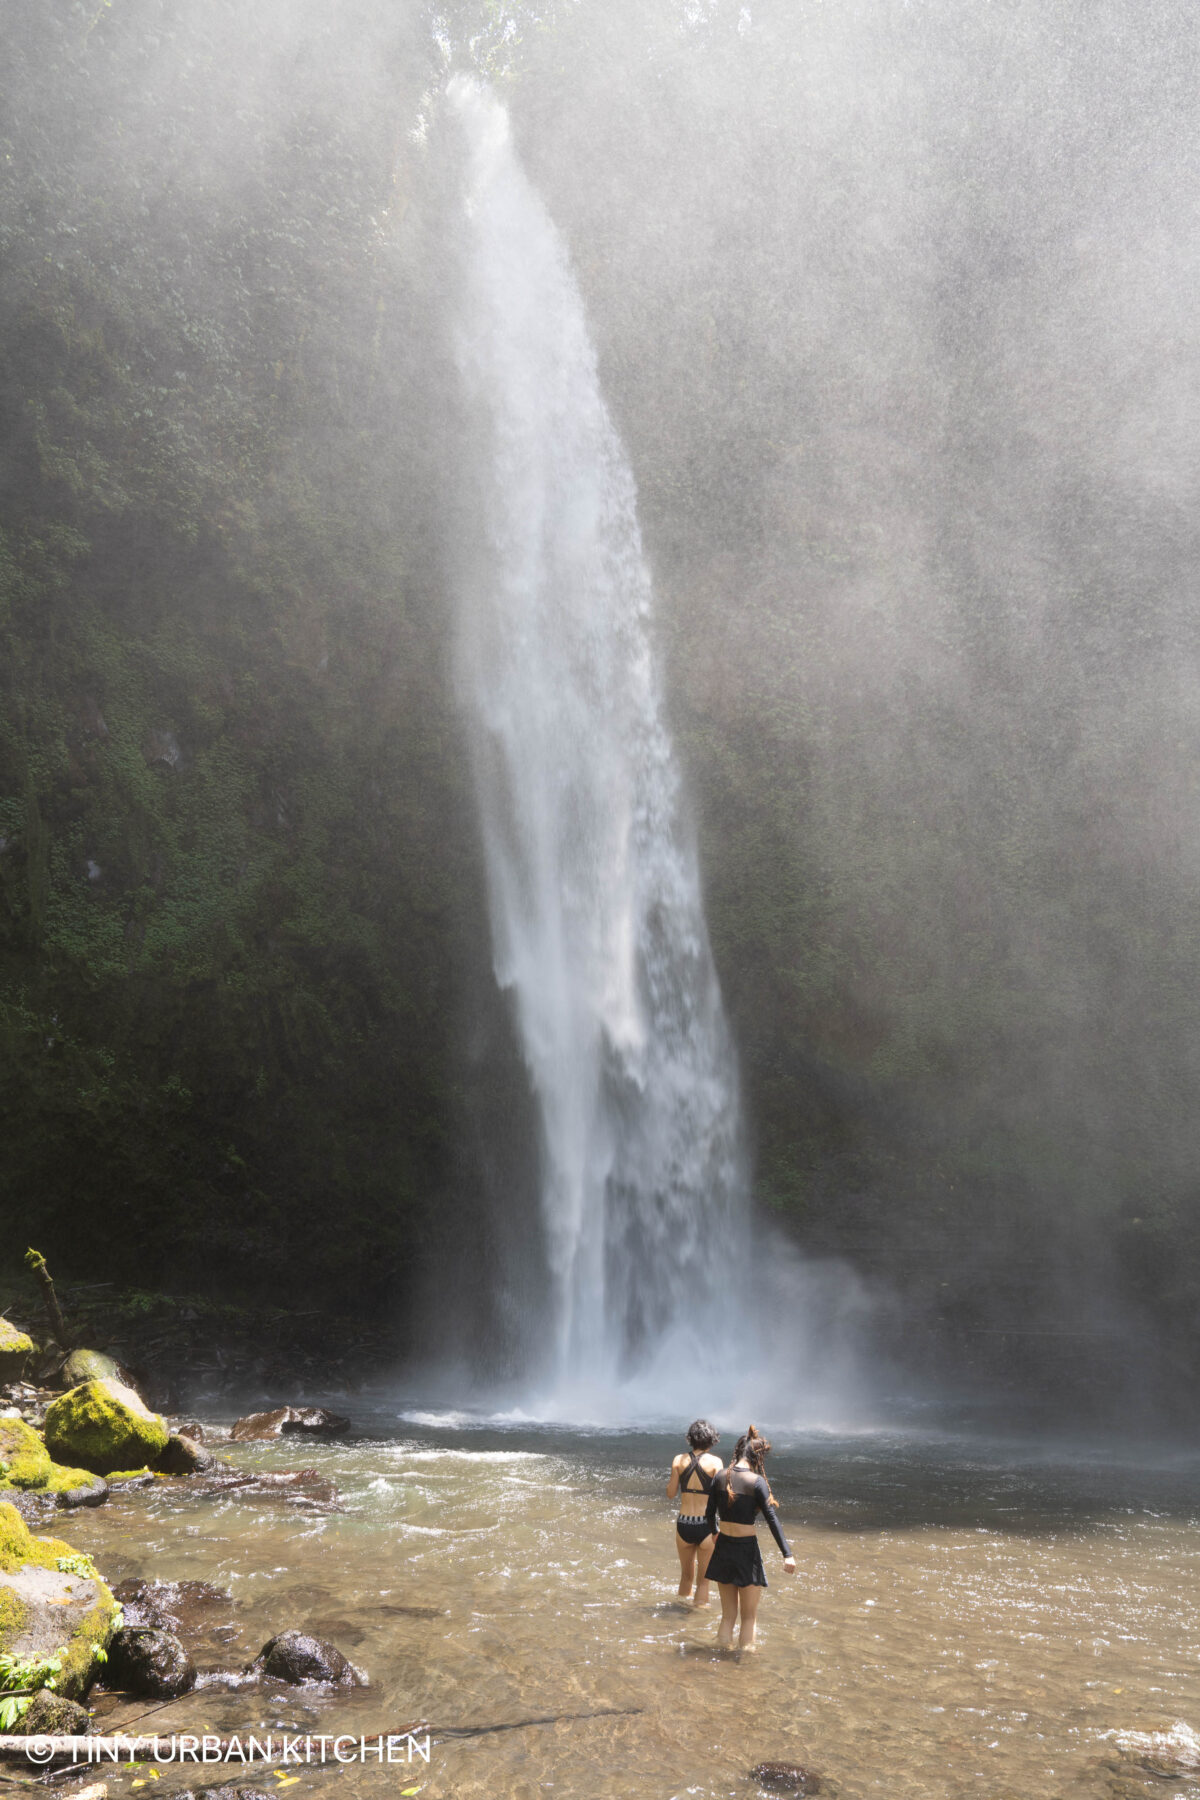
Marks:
<point>687,1566</point>
<point>749,1598</point>
<point>729,1613</point>
<point>703,1552</point>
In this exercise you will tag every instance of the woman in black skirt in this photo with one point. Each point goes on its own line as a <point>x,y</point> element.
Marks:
<point>736,1564</point>
<point>692,1478</point>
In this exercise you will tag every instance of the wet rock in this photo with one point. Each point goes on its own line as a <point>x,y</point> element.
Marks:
<point>306,1488</point>
<point>192,1430</point>
<point>149,1663</point>
<point>53,1715</point>
<point>295,1657</point>
<point>104,1426</point>
<point>184,1456</point>
<point>286,1419</point>
<point>786,1778</point>
<point>86,1493</point>
<point>16,1347</point>
<point>169,1605</point>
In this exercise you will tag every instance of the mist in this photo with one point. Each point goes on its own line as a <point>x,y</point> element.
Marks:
<point>891,305</point>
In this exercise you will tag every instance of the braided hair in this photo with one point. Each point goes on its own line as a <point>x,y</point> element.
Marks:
<point>751,1447</point>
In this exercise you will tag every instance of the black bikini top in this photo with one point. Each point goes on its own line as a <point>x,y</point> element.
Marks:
<point>693,1468</point>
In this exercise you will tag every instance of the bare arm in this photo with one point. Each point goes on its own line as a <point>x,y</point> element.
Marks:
<point>673,1482</point>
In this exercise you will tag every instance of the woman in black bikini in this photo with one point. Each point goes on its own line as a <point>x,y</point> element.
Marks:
<point>691,1478</point>
<point>736,1564</point>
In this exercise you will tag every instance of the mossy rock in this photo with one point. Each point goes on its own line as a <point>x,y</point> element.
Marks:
<point>49,1611</point>
<point>90,1365</point>
<point>104,1426</point>
<point>16,1347</point>
<point>25,1463</point>
<point>24,1459</point>
<point>67,1481</point>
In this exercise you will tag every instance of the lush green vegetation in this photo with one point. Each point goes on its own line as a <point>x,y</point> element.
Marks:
<point>234,850</point>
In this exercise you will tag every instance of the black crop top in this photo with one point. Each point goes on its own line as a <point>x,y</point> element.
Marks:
<point>751,1496</point>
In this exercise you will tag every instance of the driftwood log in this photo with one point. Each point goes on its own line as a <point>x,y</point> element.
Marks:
<point>35,1262</point>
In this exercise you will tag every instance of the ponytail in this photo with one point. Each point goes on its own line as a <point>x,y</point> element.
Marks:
<point>751,1447</point>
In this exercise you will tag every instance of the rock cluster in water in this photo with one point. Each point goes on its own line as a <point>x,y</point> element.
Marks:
<point>77,1447</point>
<point>286,1420</point>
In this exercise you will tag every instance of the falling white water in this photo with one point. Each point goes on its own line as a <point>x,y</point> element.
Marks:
<point>597,923</point>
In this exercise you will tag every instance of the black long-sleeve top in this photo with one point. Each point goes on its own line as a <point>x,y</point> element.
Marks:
<point>751,1496</point>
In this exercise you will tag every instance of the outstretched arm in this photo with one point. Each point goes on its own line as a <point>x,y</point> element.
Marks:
<point>762,1495</point>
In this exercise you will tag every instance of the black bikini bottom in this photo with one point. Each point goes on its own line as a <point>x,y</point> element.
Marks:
<point>693,1531</point>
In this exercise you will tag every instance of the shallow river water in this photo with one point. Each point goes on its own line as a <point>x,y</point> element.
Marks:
<point>968,1619</point>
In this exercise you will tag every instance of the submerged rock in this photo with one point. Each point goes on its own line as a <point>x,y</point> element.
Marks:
<point>16,1347</point>
<point>306,1488</point>
<point>52,1603</point>
<point>786,1778</point>
<point>169,1605</point>
<point>149,1663</point>
<point>104,1426</point>
<point>295,1657</point>
<point>287,1419</point>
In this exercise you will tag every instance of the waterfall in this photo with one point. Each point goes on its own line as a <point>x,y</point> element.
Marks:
<point>597,921</point>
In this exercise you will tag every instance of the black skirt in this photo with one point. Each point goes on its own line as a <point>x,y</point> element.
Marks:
<point>737,1561</point>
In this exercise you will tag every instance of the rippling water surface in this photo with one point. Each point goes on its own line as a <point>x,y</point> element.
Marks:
<point>966,1620</point>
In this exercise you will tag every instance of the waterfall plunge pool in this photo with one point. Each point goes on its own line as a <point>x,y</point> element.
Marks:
<point>968,1618</point>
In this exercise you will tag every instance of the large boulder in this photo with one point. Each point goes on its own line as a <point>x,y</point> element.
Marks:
<point>52,1604</point>
<point>104,1426</point>
<point>16,1347</point>
<point>149,1663</point>
<point>91,1365</point>
<point>295,1657</point>
<point>287,1419</point>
